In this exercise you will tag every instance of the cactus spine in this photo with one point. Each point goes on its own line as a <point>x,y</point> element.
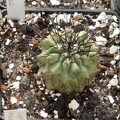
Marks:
<point>68,60</point>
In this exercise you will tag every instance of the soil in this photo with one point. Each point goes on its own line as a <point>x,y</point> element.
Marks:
<point>84,4</point>
<point>22,88</point>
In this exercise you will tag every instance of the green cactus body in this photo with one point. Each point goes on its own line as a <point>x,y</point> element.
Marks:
<point>68,61</point>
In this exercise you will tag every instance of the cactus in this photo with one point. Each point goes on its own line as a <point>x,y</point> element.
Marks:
<point>68,60</point>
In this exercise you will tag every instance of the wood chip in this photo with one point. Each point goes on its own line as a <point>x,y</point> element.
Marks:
<point>4,87</point>
<point>78,17</point>
<point>17,96</point>
<point>102,66</point>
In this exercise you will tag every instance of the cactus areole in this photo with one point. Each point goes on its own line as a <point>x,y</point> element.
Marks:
<point>68,60</point>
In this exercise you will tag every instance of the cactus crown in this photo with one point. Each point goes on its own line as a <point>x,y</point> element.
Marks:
<point>68,60</point>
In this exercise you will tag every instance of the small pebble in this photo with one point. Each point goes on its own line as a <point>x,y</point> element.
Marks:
<point>43,98</point>
<point>9,71</point>
<point>33,91</point>
<point>115,32</point>
<point>34,3</point>
<point>74,104</point>
<point>55,111</point>
<point>24,105</point>
<point>115,76</point>
<point>11,65</point>
<point>13,100</point>
<point>7,42</point>
<point>117,57</point>
<point>113,62</point>
<point>92,27</point>
<point>113,49</point>
<point>3,101</point>
<point>101,40</point>
<point>55,99</point>
<point>31,85</point>
<point>14,30</point>
<point>38,82</point>
<point>114,18</point>
<point>43,3</point>
<point>55,2</point>
<point>11,23</point>
<point>110,99</point>
<point>56,116</point>
<point>18,78</point>
<point>58,94</point>
<point>21,102</point>
<point>15,85</point>
<point>113,82</point>
<point>43,114</point>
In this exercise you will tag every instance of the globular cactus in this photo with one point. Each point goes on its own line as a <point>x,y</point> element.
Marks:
<point>68,60</point>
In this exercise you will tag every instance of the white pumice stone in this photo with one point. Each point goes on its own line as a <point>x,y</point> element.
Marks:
<point>92,27</point>
<point>15,85</point>
<point>39,14</point>
<point>115,32</point>
<point>13,100</point>
<point>18,78</point>
<point>43,3</point>
<point>97,24</point>
<point>41,88</point>
<point>113,49</point>
<point>74,104</point>
<point>56,116</point>
<point>9,71</point>
<point>14,30</point>
<point>23,36</point>
<point>33,91</point>
<point>58,94</point>
<point>11,23</point>
<point>34,3</point>
<point>46,93</point>
<point>101,40</point>
<point>24,105</point>
<point>35,19</point>
<point>38,82</point>
<point>113,82</point>
<point>108,86</point>
<point>3,101</point>
<point>114,18</point>
<point>113,62</point>
<point>5,107</point>
<point>115,76</point>
<point>21,102</point>
<point>31,85</point>
<point>117,57</point>
<point>43,114</point>
<point>7,42</point>
<point>11,65</point>
<point>55,111</point>
<point>43,98</point>
<point>31,45</point>
<point>114,24</point>
<point>16,40</point>
<point>55,99</point>
<point>110,99</point>
<point>55,2</point>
